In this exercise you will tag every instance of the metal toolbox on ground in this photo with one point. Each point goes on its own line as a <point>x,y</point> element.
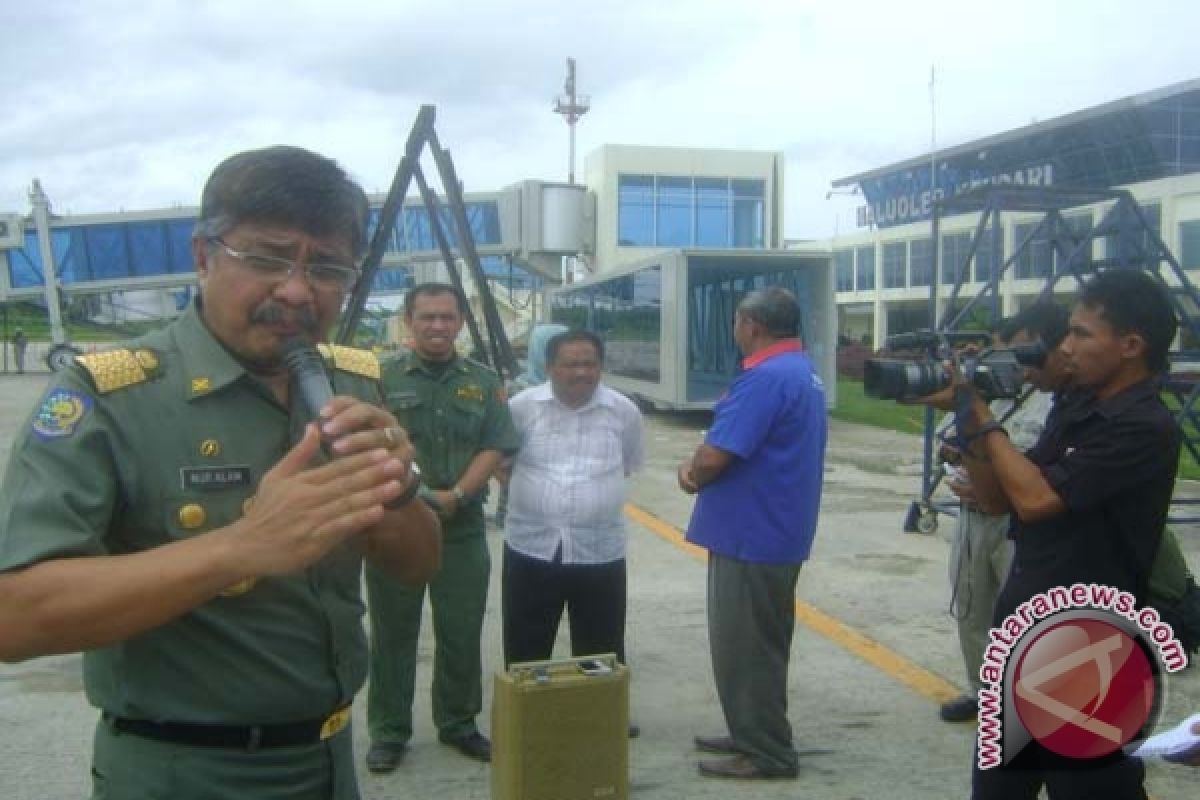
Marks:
<point>560,730</point>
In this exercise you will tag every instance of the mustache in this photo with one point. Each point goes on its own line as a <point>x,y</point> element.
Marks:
<point>270,312</point>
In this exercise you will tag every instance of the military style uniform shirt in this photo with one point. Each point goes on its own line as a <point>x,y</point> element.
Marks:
<point>451,413</point>
<point>164,440</point>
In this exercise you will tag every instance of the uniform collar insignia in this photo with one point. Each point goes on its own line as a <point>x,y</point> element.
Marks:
<point>207,365</point>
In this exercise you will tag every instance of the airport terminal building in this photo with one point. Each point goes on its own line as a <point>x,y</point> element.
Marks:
<point>1148,144</point>
<point>663,241</point>
<point>660,242</point>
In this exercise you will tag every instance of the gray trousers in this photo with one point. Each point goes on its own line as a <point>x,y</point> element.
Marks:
<point>980,556</point>
<point>751,617</point>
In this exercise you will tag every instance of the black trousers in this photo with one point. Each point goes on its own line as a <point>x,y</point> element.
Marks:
<point>534,593</point>
<point>1114,777</point>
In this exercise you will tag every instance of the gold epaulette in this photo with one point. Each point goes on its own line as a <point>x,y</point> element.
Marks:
<point>117,369</point>
<point>351,359</point>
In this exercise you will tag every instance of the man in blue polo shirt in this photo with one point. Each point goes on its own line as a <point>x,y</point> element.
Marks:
<point>758,483</point>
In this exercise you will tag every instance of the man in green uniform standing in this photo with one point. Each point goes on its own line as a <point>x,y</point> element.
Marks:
<point>169,510</point>
<point>456,412</point>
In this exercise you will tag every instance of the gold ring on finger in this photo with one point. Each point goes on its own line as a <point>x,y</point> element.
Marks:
<point>390,436</point>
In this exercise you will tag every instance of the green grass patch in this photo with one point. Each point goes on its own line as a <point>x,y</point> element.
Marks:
<point>854,406</point>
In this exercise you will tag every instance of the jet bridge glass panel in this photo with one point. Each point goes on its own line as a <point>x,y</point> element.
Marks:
<point>107,251</point>
<point>626,312</point>
<point>715,285</point>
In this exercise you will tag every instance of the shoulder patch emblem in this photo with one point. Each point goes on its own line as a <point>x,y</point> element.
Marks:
<point>60,413</point>
<point>351,359</point>
<point>116,369</point>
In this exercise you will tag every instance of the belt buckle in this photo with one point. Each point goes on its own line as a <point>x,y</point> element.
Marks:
<point>335,723</point>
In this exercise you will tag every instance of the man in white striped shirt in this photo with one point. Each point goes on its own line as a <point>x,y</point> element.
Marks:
<point>565,533</point>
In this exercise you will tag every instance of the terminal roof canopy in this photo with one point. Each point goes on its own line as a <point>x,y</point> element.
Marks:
<point>1140,138</point>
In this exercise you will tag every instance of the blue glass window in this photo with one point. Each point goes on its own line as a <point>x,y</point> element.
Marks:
<point>1141,240</point>
<point>843,261</point>
<point>1189,244</point>
<point>390,280</point>
<point>179,244</point>
<point>895,264</point>
<point>983,255</point>
<point>713,212</point>
<point>674,207</point>
<point>954,256</point>
<point>748,215</point>
<point>1075,241</point>
<point>635,210</point>
<point>416,229</point>
<point>25,264</point>
<point>1035,259</point>
<point>864,268</point>
<point>668,211</point>
<point>484,222</point>
<point>148,248</point>
<point>396,242</point>
<point>921,259</point>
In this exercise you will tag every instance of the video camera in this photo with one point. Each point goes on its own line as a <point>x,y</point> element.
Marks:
<point>993,371</point>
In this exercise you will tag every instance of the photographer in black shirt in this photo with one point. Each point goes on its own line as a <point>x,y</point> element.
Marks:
<point>1090,498</point>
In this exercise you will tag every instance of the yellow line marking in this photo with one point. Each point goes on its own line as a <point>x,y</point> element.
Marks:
<point>925,683</point>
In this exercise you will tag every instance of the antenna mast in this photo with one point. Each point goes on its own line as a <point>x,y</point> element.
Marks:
<point>572,106</point>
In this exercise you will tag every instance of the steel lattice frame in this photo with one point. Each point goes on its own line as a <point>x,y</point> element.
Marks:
<point>1138,246</point>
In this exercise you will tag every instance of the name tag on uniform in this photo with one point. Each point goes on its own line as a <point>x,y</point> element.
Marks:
<point>211,479</point>
<point>404,398</point>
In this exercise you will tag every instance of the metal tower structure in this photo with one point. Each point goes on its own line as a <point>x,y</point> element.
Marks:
<point>572,106</point>
<point>1132,242</point>
<point>497,351</point>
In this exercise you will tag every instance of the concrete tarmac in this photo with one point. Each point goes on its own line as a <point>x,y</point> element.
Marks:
<point>863,695</point>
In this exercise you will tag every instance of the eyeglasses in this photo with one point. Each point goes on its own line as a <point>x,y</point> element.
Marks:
<point>322,276</point>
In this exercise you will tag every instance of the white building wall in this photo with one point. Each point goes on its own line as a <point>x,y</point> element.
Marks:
<point>1178,197</point>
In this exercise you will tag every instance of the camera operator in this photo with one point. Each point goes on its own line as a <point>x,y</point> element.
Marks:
<point>981,551</point>
<point>1090,498</point>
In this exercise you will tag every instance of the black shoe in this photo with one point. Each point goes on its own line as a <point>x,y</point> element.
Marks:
<point>961,709</point>
<point>722,745</point>
<point>473,745</point>
<point>385,756</point>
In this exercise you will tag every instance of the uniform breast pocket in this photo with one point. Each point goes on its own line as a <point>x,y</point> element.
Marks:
<point>466,417</point>
<point>406,407</point>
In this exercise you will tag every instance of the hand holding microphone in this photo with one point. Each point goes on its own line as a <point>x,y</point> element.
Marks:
<point>352,426</point>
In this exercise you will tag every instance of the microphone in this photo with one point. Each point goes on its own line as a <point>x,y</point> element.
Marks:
<point>312,382</point>
<point>308,374</point>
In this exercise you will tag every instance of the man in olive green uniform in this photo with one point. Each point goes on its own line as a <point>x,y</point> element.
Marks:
<point>169,510</point>
<point>456,413</point>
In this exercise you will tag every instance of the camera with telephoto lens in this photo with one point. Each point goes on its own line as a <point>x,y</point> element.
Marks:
<point>993,371</point>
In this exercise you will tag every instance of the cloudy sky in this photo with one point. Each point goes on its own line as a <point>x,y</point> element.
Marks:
<point>127,105</point>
